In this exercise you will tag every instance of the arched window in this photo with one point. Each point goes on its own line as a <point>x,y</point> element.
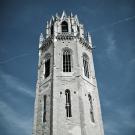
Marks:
<point>67,61</point>
<point>47,65</point>
<point>91,108</point>
<point>86,65</point>
<point>68,103</point>
<point>64,26</point>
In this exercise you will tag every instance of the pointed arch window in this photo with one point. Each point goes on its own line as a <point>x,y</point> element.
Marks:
<point>91,108</point>
<point>68,103</point>
<point>66,61</point>
<point>86,65</point>
<point>64,26</point>
<point>47,65</point>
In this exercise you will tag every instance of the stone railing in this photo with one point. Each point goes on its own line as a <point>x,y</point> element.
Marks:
<point>65,36</point>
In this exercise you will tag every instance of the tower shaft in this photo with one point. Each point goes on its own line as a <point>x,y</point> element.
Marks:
<point>67,100</point>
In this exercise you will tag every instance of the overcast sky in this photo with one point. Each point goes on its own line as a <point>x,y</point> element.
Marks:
<point>112,25</point>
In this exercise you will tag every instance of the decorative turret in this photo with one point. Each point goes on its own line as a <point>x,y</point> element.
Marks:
<point>64,24</point>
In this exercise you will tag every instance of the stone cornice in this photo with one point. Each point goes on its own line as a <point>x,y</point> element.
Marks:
<point>85,43</point>
<point>65,36</point>
<point>47,42</point>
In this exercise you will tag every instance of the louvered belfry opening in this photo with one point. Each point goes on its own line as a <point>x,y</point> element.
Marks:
<point>64,26</point>
<point>66,61</point>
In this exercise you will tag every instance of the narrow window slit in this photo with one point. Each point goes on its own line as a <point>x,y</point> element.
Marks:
<point>91,108</point>
<point>68,103</point>
<point>85,65</point>
<point>44,111</point>
<point>47,68</point>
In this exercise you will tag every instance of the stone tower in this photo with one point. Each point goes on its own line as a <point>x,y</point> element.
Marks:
<point>67,100</point>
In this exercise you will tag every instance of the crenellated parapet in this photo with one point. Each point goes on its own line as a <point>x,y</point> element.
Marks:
<point>59,24</point>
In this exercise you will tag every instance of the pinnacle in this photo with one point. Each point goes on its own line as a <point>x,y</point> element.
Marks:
<point>63,14</point>
<point>52,18</point>
<point>57,15</point>
<point>71,15</point>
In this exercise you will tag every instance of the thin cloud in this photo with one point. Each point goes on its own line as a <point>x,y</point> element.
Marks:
<point>14,121</point>
<point>113,124</point>
<point>94,7</point>
<point>114,23</point>
<point>118,117</point>
<point>111,47</point>
<point>18,56</point>
<point>132,61</point>
<point>16,84</point>
<point>126,116</point>
<point>111,50</point>
<point>111,127</point>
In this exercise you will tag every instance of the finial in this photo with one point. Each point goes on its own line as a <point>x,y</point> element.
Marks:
<point>52,18</point>
<point>71,15</point>
<point>76,18</point>
<point>89,39</point>
<point>57,15</point>
<point>63,15</point>
<point>41,39</point>
<point>50,22</point>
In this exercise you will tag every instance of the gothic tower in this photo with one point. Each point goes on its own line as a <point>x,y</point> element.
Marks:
<point>67,100</point>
